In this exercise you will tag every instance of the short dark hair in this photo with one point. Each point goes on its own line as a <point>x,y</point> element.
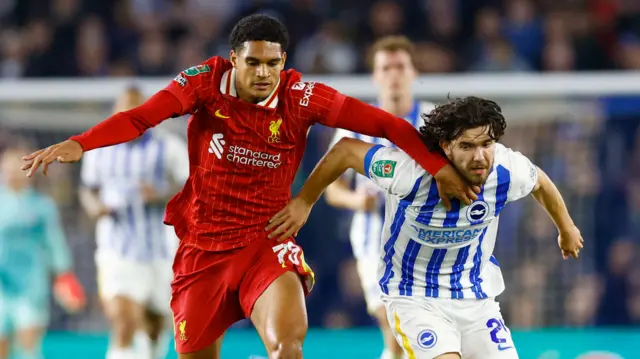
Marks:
<point>259,27</point>
<point>447,122</point>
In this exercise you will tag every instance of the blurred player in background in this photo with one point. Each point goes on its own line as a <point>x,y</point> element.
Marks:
<point>32,249</point>
<point>247,136</point>
<point>391,60</point>
<point>437,273</point>
<point>126,188</point>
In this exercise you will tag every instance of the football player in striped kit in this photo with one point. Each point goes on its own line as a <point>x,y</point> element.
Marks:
<point>126,188</point>
<point>437,274</point>
<point>393,70</point>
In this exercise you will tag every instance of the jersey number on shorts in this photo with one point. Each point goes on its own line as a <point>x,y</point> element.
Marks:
<point>497,328</point>
<point>288,251</point>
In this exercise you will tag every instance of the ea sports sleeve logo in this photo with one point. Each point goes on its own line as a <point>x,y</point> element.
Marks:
<point>427,339</point>
<point>477,211</point>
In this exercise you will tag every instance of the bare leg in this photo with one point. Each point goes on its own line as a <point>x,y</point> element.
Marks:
<point>280,316</point>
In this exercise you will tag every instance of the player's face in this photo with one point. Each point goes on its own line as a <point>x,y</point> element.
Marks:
<point>394,72</point>
<point>258,65</point>
<point>472,154</point>
<point>128,100</point>
<point>10,163</point>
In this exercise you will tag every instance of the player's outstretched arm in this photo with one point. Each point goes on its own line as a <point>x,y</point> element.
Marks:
<point>119,128</point>
<point>569,238</point>
<point>347,153</point>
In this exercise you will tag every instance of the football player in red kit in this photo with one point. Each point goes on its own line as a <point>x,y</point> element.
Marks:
<point>246,139</point>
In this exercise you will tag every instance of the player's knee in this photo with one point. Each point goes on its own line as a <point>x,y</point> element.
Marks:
<point>286,349</point>
<point>288,344</point>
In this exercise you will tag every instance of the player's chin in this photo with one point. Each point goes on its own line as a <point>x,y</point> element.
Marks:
<point>477,179</point>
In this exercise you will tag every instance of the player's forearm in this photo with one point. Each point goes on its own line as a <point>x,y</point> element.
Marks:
<point>360,117</point>
<point>550,198</point>
<point>338,194</point>
<point>128,125</point>
<point>339,159</point>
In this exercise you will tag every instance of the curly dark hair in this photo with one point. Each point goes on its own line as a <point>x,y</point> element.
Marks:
<point>259,27</point>
<point>447,122</point>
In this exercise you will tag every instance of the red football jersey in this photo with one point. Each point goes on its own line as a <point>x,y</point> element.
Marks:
<point>243,156</point>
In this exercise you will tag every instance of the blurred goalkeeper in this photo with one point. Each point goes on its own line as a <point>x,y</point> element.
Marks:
<point>32,248</point>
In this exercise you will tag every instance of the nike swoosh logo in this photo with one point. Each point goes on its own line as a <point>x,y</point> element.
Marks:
<point>218,114</point>
<point>501,348</point>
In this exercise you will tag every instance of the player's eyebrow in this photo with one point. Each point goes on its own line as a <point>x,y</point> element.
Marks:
<point>255,59</point>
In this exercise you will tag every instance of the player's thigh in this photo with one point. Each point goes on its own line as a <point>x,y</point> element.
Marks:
<point>161,292</point>
<point>204,299</point>
<point>485,335</point>
<point>122,277</point>
<point>273,292</point>
<point>30,318</point>
<point>29,339</point>
<point>368,274</point>
<point>422,330</point>
<point>4,347</point>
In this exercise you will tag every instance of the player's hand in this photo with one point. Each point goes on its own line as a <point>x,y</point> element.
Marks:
<point>570,242</point>
<point>451,184</point>
<point>69,293</point>
<point>63,152</point>
<point>290,219</point>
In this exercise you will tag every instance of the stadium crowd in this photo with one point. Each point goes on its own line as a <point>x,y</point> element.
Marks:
<point>595,161</point>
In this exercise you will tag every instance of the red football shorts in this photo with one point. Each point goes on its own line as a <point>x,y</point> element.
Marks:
<point>213,290</point>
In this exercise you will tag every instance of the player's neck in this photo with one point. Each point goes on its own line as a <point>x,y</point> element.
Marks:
<point>397,107</point>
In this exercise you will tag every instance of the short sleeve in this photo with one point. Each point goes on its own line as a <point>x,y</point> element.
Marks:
<point>524,175</point>
<point>392,170</point>
<point>316,102</point>
<point>195,86</point>
<point>90,170</point>
<point>177,159</point>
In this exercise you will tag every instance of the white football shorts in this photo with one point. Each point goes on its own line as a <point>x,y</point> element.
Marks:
<point>368,272</point>
<point>429,327</point>
<point>148,283</point>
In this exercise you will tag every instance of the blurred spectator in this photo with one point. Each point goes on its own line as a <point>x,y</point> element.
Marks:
<point>82,38</point>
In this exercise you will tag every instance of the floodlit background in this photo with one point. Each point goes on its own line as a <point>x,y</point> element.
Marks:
<point>63,61</point>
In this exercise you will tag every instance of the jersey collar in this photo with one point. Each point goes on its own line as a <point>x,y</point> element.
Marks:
<point>228,87</point>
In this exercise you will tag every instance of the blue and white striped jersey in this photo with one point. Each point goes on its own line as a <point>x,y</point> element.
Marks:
<point>429,251</point>
<point>136,230</point>
<point>367,226</point>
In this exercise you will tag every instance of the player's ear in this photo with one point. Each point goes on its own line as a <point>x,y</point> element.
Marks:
<point>284,58</point>
<point>446,147</point>
<point>233,57</point>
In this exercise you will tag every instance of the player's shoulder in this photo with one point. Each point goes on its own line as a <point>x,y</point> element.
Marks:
<point>506,156</point>
<point>215,64</point>
<point>209,72</point>
<point>301,91</point>
<point>390,160</point>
